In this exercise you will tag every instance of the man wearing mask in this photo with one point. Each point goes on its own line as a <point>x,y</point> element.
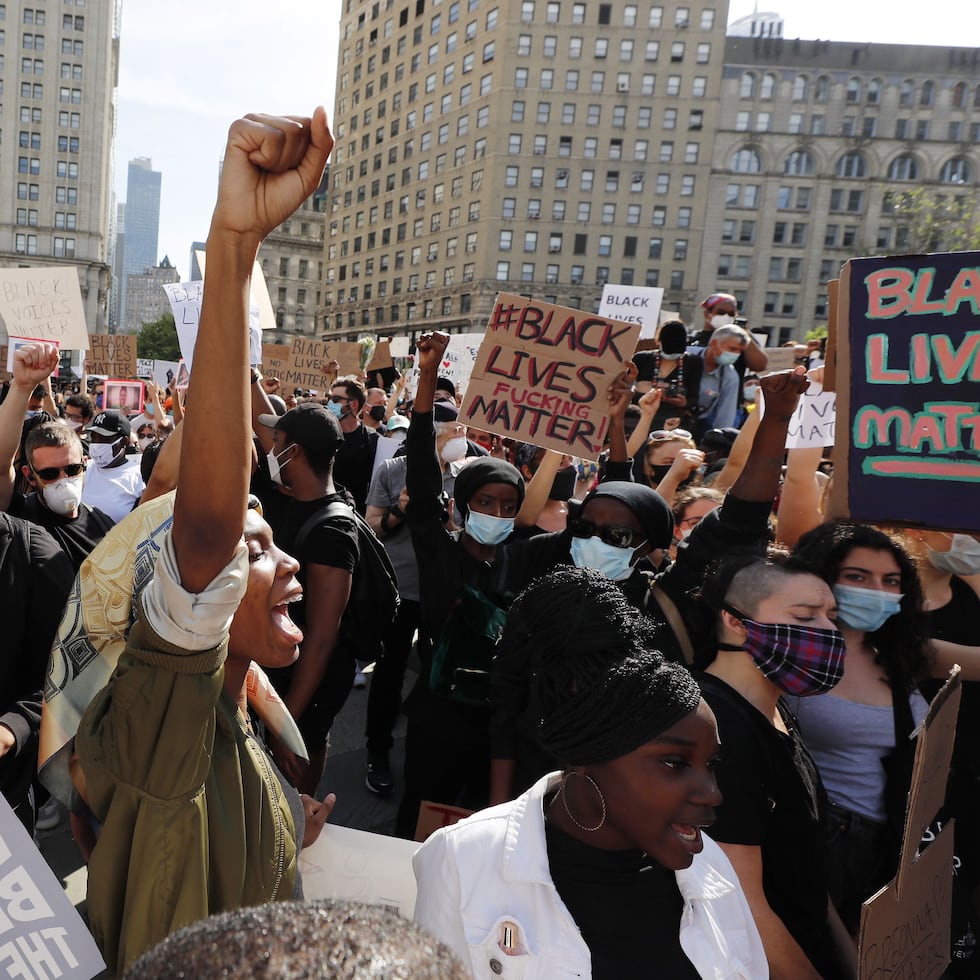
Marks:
<point>355,458</point>
<point>54,468</point>
<point>373,413</point>
<point>720,310</point>
<point>113,482</point>
<point>718,400</point>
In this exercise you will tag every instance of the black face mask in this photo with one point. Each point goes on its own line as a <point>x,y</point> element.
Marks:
<point>563,486</point>
<point>377,412</point>
<point>657,473</point>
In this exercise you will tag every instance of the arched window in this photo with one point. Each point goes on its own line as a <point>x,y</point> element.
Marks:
<point>851,165</point>
<point>854,90</point>
<point>822,90</point>
<point>799,164</point>
<point>745,161</point>
<point>768,87</point>
<point>746,88</point>
<point>874,91</point>
<point>956,171</point>
<point>800,86</point>
<point>959,95</point>
<point>927,93</point>
<point>906,94</point>
<point>904,167</point>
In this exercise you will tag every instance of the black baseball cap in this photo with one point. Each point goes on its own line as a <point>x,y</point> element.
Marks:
<point>110,423</point>
<point>310,424</point>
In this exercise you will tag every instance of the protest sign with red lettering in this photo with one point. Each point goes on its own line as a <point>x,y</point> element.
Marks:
<point>908,363</point>
<point>542,374</point>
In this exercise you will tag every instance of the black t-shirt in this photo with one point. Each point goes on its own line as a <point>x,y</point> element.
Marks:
<point>772,799</point>
<point>627,907</point>
<point>354,463</point>
<point>77,536</point>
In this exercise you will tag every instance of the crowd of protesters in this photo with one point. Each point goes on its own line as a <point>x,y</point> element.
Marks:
<point>681,700</point>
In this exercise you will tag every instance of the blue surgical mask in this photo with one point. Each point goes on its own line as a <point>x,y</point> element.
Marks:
<point>727,357</point>
<point>615,563</point>
<point>671,357</point>
<point>488,530</point>
<point>336,408</point>
<point>865,609</point>
<point>148,409</point>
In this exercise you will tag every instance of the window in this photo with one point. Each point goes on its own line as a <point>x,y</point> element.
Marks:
<point>903,167</point>
<point>763,122</point>
<point>851,165</point>
<point>687,185</point>
<point>699,86</point>
<point>853,90</point>
<point>795,124</point>
<point>745,161</point>
<point>677,52</point>
<point>873,95</point>
<point>902,129</point>
<point>670,119</point>
<point>746,86</point>
<point>743,120</point>
<point>598,80</point>
<point>680,250</point>
<point>601,47</point>
<point>503,271</point>
<point>608,214</point>
<point>956,171</point>
<point>800,85</point>
<point>520,77</point>
<point>511,175</point>
<point>799,163</point>
<point>652,51</point>
<point>605,245</point>
<point>666,151</point>
<point>673,84</point>
<point>659,216</point>
<point>703,53</point>
<point>927,93</point>
<point>584,211</point>
<point>662,185</point>
<point>505,241</point>
<point>514,144</point>
<point>906,93</point>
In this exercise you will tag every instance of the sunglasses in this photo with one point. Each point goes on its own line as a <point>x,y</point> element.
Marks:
<point>662,435</point>
<point>616,535</point>
<point>337,399</point>
<point>50,473</point>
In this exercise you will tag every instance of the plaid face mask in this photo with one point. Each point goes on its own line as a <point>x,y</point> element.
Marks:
<point>799,660</point>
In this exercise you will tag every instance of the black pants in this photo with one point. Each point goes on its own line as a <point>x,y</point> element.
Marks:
<point>385,695</point>
<point>444,768</point>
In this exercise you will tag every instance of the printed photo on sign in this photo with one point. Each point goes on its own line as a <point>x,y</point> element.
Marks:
<point>123,396</point>
<point>15,345</point>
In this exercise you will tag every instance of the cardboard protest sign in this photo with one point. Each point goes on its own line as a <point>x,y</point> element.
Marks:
<point>908,363</point>
<point>633,304</point>
<point>905,926</point>
<point>44,303</point>
<point>814,422</point>
<point>542,374</point>
<point>111,354</point>
<point>274,359</point>
<point>41,934</point>
<point>381,358</point>
<point>780,359</point>
<point>459,359</point>
<point>306,359</point>
<point>349,865</point>
<point>830,361</point>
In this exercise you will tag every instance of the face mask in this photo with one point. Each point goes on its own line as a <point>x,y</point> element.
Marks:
<point>671,357</point>
<point>144,441</point>
<point>63,496</point>
<point>336,408</point>
<point>727,357</point>
<point>721,320</point>
<point>30,413</point>
<point>377,412</point>
<point>103,453</point>
<point>454,450</point>
<point>275,467</point>
<point>398,435</point>
<point>963,557</point>
<point>865,609</point>
<point>148,409</point>
<point>799,660</point>
<point>485,529</point>
<point>74,426</point>
<point>615,563</point>
<point>658,472</point>
<point>563,485</point>
<point>749,392</point>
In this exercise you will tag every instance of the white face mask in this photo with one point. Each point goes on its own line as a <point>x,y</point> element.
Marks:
<point>63,496</point>
<point>962,558</point>
<point>73,425</point>
<point>275,467</point>
<point>103,453</point>
<point>721,320</point>
<point>454,450</point>
<point>144,441</point>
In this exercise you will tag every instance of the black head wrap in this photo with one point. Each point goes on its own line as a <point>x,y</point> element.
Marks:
<point>483,470</point>
<point>650,508</point>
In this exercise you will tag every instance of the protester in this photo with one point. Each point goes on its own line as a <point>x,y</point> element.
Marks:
<point>204,826</point>
<point>373,413</point>
<point>721,388</point>
<point>78,412</point>
<point>672,371</point>
<point>113,481</point>
<point>355,458</point>
<point>776,636</point>
<point>603,868</point>
<point>721,310</point>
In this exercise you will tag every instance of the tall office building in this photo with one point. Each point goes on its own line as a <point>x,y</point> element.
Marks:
<point>141,232</point>
<point>59,76</point>
<point>532,146</point>
<point>145,296</point>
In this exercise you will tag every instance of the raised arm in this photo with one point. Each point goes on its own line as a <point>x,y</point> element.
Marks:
<point>739,453</point>
<point>536,489</point>
<point>33,364</point>
<point>271,165</point>
<point>648,405</point>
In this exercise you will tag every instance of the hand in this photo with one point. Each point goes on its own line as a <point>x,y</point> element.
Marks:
<point>289,763</point>
<point>331,369</point>
<point>620,391</point>
<point>429,350</point>
<point>650,401</point>
<point>686,462</point>
<point>34,364</point>
<point>316,816</point>
<point>271,165</point>
<point>782,391</point>
<point>270,385</point>
<point>7,740</point>
<point>403,499</point>
<point>816,375</point>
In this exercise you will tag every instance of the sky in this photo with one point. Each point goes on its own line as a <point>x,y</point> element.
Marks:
<point>188,69</point>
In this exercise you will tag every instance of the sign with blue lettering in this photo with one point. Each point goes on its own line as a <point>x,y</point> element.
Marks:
<point>908,382</point>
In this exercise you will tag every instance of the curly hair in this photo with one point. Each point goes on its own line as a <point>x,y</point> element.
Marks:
<point>901,644</point>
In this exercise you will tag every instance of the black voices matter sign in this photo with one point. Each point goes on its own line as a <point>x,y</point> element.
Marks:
<point>908,383</point>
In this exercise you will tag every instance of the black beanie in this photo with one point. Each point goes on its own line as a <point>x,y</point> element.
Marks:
<point>650,508</point>
<point>483,470</point>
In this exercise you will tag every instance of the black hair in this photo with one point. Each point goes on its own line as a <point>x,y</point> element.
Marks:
<point>83,403</point>
<point>901,644</point>
<point>355,393</point>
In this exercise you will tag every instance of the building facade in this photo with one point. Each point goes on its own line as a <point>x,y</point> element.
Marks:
<point>535,146</point>
<point>139,240</point>
<point>145,297</point>
<point>58,73</point>
<point>817,144</point>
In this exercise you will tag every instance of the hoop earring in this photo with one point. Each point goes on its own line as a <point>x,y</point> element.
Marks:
<point>571,816</point>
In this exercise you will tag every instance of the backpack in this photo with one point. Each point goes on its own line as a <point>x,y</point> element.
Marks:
<point>373,598</point>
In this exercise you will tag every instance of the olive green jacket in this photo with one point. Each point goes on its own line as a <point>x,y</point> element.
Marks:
<point>194,821</point>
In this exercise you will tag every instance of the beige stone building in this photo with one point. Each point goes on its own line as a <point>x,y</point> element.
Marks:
<point>535,146</point>
<point>58,70</point>
<point>816,143</point>
<point>292,263</point>
<point>146,299</point>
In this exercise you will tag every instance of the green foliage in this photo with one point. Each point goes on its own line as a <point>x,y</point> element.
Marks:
<point>928,221</point>
<point>158,340</point>
<point>817,333</point>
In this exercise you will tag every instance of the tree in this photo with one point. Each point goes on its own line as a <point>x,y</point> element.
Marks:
<point>158,340</point>
<point>928,221</point>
